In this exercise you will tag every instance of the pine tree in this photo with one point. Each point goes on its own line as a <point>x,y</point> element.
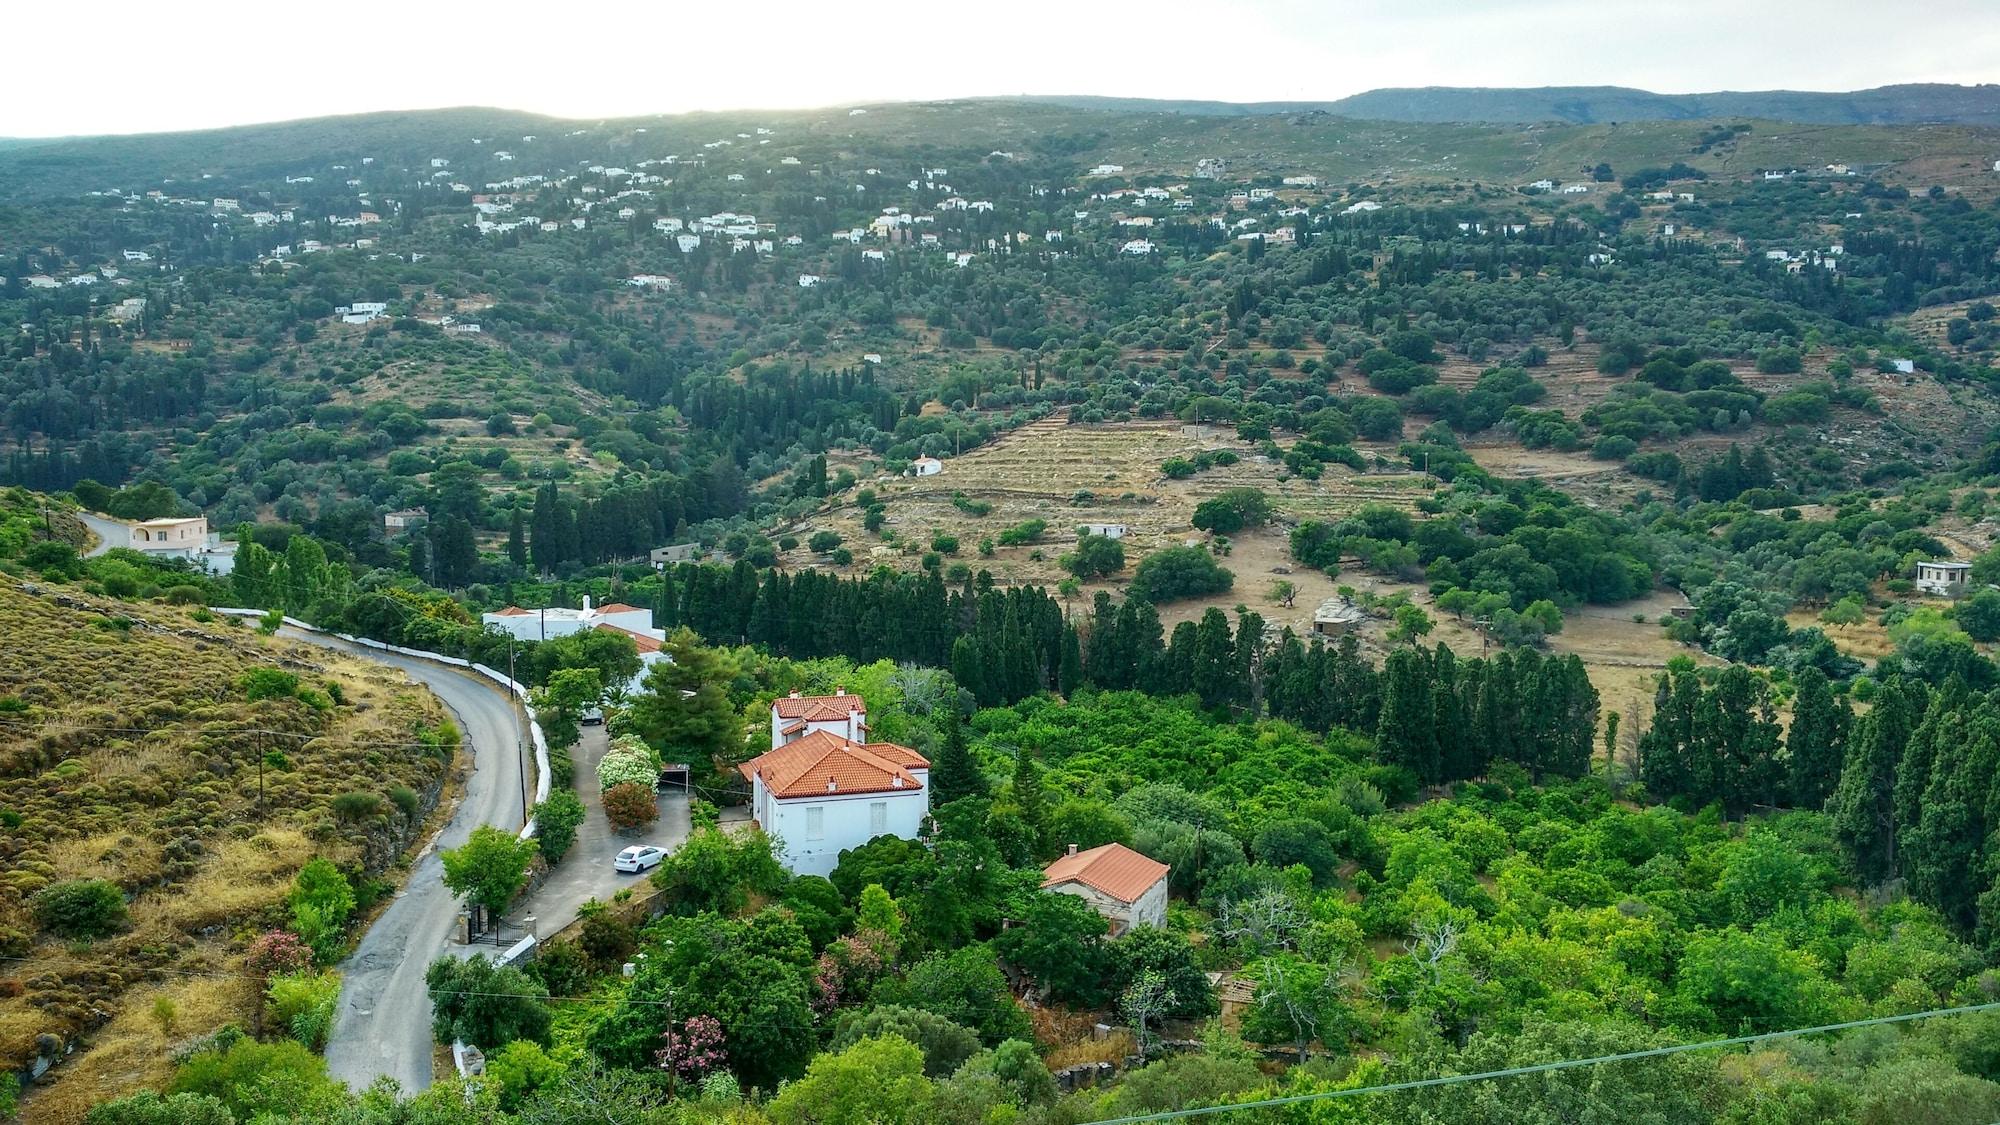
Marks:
<point>1818,733</point>
<point>955,774</point>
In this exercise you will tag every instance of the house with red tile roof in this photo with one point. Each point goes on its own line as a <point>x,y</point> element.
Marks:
<point>1127,888</point>
<point>794,716</point>
<point>820,794</point>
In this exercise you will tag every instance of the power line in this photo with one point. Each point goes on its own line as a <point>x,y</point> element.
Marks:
<point>1544,1068</point>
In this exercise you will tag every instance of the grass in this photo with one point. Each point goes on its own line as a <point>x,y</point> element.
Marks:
<point>133,758</point>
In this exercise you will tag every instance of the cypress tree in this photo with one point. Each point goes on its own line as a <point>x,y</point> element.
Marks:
<point>1069,674</point>
<point>1404,735</point>
<point>1818,732</point>
<point>517,539</point>
<point>1863,804</point>
<point>1028,794</point>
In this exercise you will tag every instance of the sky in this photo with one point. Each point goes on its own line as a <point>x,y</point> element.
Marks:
<point>136,66</point>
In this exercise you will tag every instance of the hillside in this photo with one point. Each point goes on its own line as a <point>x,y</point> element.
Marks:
<point>130,752</point>
<point>1911,104</point>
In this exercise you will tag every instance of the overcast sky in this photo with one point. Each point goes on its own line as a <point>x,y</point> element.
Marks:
<point>128,66</point>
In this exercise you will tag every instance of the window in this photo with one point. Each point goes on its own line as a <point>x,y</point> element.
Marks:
<point>815,822</point>
<point>878,818</point>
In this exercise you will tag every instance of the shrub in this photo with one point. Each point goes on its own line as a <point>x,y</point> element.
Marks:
<point>1095,556</point>
<point>556,821</point>
<point>483,1003</point>
<point>279,951</point>
<point>1179,572</point>
<point>406,801</point>
<point>628,761</point>
<point>563,968</point>
<point>303,1003</point>
<point>353,807</point>
<point>630,805</point>
<point>268,683</point>
<point>81,908</point>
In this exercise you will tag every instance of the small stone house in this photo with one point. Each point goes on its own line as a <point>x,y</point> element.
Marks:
<point>1127,888</point>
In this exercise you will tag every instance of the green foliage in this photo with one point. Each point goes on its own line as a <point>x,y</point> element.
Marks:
<point>80,908</point>
<point>874,1082</point>
<point>489,868</point>
<point>304,1004</point>
<point>1095,556</point>
<point>1179,572</point>
<point>556,822</point>
<point>475,1000</point>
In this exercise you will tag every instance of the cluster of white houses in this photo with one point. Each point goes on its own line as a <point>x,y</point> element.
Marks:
<point>823,788</point>
<point>616,617</point>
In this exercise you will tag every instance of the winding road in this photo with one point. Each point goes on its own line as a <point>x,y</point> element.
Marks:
<point>110,533</point>
<point>383,1026</point>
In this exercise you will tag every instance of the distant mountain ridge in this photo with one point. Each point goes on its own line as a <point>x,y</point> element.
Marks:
<point>1908,104</point>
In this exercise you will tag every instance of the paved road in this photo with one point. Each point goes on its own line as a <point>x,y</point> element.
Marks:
<point>585,872</point>
<point>384,1023</point>
<point>110,533</point>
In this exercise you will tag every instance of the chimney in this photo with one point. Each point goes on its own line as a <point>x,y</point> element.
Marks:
<point>840,691</point>
<point>831,786</point>
<point>896,782</point>
<point>795,693</point>
<point>1072,849</point>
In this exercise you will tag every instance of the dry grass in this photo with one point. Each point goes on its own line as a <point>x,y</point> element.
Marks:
<point>134,1051</point>
<point>1113,1048</point>
<point>133,758</point>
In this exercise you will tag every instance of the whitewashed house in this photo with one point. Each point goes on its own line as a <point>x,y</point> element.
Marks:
<point>926,467</point>
<point>544,624</point>
<point>821,794</point>
<point>1126,888</point>
<point>1107,530</point>
<point>1945,579</point>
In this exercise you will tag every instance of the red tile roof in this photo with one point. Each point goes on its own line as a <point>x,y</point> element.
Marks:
<point>1113,868</point>
<point>802,768</point>
<point>818,708</point>
<point>513,611</point>
<point>643,642</point>
<point>619,607</point>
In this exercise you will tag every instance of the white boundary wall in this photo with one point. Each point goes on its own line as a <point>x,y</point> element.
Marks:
<point>517,690</point>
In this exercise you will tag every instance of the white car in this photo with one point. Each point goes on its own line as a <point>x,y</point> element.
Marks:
<point>639,857</point>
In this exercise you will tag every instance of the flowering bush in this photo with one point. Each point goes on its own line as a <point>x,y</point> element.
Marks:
<point>629,760</point>
<point>693,1051</point>
<point>279,951</point>
<point>630,805</point>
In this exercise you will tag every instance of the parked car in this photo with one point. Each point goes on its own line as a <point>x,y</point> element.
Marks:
<point>639,857</point>
<point>591,716</point>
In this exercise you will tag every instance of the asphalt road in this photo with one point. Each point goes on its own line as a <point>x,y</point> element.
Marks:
<point>585,872</point>
<point>109,533</point>
<point>383,1027</point>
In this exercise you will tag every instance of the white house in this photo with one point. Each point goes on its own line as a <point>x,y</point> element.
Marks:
<point>794,716</point>
<point>1126,888</point>
<point>617,617</point>
<point>1945,579</point>
<point>166,535</point>
<point>1904,366</point>
<point>926,467</point>
<point>808,280</point>
<point>405,518</point>
<point>1138,248</point>
<point>1107,169</point>
<point>1107,530</point>
<point>822,794</point>
<point>187,538</point>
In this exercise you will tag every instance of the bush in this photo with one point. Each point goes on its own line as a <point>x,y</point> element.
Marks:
<point>1179,572</point>
<point>268,683</point>
<point>556,821</point>
<point>476,1001</point>
<point>630,805</point>
<point>1095,556</point>
<point>1233,510</point>
<point>628,761</point>
<point>406,801</point>
<point>353,807</point>
<point>81,908</point>
<point>303,1003</point>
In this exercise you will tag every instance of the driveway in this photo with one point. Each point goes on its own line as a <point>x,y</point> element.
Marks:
<point>383,1027</point>
<point>585,872</point>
